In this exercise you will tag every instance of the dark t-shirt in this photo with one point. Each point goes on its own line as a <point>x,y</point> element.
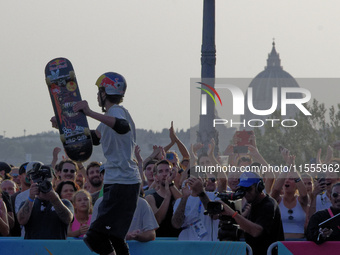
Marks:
<point>95,196</point>
<point>313,227</point>
<point>44,222</point>
<point>165,228</point>
<point>267,214</point>
<point>7,200</point>
<point>16,230</point>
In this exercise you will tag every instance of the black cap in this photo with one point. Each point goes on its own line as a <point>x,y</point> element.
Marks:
<point>5,166</point>
<point>22,168</point>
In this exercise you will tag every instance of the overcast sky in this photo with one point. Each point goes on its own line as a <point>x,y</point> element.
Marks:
<point>156,45</point>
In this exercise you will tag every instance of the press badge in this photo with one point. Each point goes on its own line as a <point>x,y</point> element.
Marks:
<point>199,228</point>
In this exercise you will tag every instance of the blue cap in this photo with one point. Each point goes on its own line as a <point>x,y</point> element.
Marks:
<point>249,178</point>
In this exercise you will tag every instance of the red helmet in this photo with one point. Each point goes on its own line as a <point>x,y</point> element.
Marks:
<point>113,83</point>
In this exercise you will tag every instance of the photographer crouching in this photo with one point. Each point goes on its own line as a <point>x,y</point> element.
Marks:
<point>262,226</point>
<point>44,214</point>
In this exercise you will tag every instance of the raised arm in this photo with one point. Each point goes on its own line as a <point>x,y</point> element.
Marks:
<point>140,163</point>
<point>181,147</point>
<point>179,216</point>
<point>121,126</point>
<point>318,188</point>
<point>276,191</point>
<point>197,189</point>
<point>25,211</point>
<point>193,152</point>
<point>221,176</point>
<point>55,153</point>
<point>157,154</point>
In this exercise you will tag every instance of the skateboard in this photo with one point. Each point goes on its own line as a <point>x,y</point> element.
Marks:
<point>64,92</point>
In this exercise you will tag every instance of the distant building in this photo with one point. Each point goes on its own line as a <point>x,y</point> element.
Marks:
<point>262,86</point>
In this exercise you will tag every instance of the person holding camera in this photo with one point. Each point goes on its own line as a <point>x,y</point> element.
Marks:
<point>330,231</point>
<point>262,225</point>
<point>44,214</point>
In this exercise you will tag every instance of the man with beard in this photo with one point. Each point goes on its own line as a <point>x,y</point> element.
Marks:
<point>326,233</point>
<point>163,199</point>
<point>95,180</point>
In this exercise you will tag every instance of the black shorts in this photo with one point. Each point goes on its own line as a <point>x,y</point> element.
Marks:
<point>116,211</point>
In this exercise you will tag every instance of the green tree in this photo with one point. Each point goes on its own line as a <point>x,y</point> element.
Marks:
<point>312,133</point>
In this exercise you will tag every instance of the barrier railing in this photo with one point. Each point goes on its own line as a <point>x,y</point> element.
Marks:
<point>303,247</point>
<point>14,246</point>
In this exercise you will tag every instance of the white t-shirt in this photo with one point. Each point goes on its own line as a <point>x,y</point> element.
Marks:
<point>194,217</point>
<point>143,218</point>
<point>20,198</point>
<point>322,202</point>
<point>118,150</point>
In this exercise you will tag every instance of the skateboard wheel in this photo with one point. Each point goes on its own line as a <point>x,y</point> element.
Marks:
<point>72,75</point>
<point>48,81</point>
<point>62,138</point>
<point>87,132</point>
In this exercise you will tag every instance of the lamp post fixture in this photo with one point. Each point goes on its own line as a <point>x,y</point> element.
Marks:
<point>208,63</point>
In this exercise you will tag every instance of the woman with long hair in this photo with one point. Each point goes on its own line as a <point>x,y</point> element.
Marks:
<point>82,203</point>
<point>291,194</point>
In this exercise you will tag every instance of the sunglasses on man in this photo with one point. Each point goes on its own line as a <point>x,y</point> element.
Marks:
<point>335,195</point>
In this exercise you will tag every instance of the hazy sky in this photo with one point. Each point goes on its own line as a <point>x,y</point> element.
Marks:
<point>156,45</point>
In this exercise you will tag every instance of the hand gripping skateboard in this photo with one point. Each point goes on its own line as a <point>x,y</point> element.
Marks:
<point>64,91</point>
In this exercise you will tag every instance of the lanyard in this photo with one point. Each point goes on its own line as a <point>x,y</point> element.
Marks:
<point>331,214</point>
<point>199,208</point>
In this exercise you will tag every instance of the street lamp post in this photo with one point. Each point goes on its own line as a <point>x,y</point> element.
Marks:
<point>208,63</point>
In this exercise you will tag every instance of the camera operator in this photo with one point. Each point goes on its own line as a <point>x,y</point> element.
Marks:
<point>44,214</point>
<point>263,224</point>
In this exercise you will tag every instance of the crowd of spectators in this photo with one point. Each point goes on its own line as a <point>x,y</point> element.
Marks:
<point>175,199</point>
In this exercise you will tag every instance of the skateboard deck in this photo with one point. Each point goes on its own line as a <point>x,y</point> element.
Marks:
<point>64,92</point>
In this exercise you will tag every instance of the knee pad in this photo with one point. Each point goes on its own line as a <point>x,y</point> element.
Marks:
<point>97,242</point>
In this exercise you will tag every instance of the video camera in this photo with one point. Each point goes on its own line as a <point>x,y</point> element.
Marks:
<point>42,175</point>
<point>228,229</point>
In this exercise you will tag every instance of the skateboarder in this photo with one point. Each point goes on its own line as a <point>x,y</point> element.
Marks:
<point>116,133</point>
